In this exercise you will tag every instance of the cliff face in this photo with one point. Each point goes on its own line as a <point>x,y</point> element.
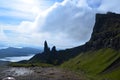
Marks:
<point>106,32</point>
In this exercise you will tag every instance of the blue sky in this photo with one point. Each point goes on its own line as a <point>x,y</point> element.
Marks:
<point>64,23</point>
<point>11,19</point>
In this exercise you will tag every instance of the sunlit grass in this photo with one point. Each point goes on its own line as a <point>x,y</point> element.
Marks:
<point>93,63</point>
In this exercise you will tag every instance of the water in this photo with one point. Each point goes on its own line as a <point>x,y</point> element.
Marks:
<point>15,72</point>
<point>19,71</point>
<point>15,59</point>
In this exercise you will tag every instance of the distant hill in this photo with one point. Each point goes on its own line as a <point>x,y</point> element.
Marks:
<point>10,51</point>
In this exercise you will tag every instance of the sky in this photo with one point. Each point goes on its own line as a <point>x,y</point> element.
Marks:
<point>63,23</point>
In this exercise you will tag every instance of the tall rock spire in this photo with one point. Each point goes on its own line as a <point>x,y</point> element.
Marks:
<point>54,50</point>
<point>46,48</point>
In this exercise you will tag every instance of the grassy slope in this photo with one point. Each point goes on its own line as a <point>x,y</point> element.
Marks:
<point>114,75</point>
<point>93,63</point>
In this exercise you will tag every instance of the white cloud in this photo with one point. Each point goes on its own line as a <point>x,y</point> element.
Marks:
<point>75,19</point>
<point>69,19</point>
<point>64,24</point>
<point>110,5</point>
<point>94,3</point>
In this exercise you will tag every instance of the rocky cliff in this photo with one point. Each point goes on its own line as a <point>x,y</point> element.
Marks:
<point>106,32</point>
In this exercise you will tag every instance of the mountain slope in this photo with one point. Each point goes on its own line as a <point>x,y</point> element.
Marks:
<point>94,62</point>
<point>102,53</point>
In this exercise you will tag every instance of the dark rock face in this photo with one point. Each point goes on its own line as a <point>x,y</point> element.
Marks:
<point>47,49</point>
<point>106,32</point>
<point>53,50</point>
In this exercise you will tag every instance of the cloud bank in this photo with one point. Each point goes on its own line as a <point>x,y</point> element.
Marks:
<point>65,24</point>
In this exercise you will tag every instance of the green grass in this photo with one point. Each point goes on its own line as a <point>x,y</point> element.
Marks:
<point>94,62</point>
<point>114,75</point>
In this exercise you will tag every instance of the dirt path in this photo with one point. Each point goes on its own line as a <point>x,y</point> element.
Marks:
<point>37,73</point>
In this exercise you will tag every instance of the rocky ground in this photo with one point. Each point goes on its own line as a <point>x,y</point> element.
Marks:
<point>37,73</point>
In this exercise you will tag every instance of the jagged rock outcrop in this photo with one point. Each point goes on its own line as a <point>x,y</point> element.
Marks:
<point>47,56</point>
